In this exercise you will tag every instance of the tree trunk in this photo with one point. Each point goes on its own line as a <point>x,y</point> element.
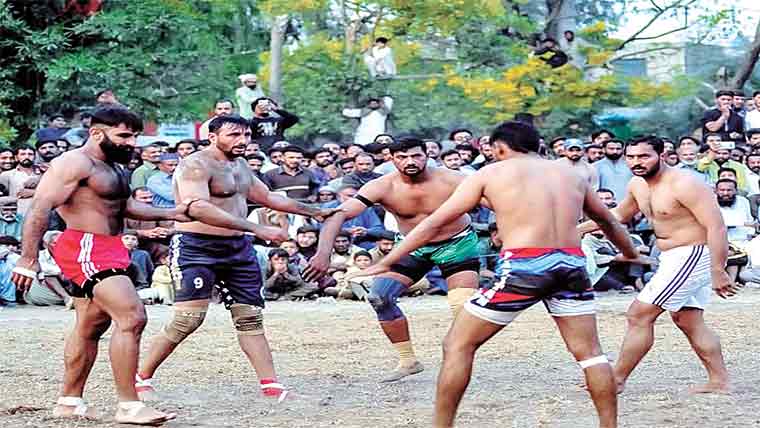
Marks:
<point>560,18</point>
<point>277,39</point>
<point>747,66</point>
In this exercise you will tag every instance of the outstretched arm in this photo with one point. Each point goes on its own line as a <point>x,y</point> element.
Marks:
<point>260,194</point>
<point>465,197</point>
<point>56,186</point>
<point>142,211</point>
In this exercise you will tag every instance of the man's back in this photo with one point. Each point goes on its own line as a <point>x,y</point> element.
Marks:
<point>537,202</point>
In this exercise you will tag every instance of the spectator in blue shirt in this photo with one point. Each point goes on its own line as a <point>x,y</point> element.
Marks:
<point>613,172</point>
<point>161,183</point>
<point>365,228</point>
<point>11,222</point>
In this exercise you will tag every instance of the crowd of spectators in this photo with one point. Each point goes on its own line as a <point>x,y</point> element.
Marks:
<point>724,153</point>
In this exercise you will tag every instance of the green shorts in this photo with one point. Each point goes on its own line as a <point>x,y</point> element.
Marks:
<point>456,254</point>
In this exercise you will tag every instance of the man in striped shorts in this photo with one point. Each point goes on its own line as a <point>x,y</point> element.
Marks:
<point>692,237</point>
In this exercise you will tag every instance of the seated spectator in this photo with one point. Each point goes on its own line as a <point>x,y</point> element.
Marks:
<point>153,235</point>
<point>306,238</point>
<point>383,246</point>
<point>325,195</point>
<point>356,288</point>
<point>11,222</point>
<point>141,261</point>
<point>294,256</point>
<point>364,228</point>
<point>343,252</point>
<point>48,290</point>
<point>489,249</point>
<point>736,212</point>
<point>9,255</point>
<point>730,174</point>
<point>284,279</point>
<point>160,184</point>
<point>162,284</point>
<point>292,178</point>
<point>322,159</point>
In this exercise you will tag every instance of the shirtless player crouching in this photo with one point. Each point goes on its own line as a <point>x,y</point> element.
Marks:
<point>89,189</point>
<point>216,250</point>
<point>410,193</point>
<point>693,242</point>
<point>541,261</point>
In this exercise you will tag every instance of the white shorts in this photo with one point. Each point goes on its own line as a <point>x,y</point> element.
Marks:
<point>682,280</point>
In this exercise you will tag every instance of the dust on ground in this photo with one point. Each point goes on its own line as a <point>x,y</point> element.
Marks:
<point>335,352</point>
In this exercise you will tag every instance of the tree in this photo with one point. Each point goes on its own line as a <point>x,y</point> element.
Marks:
<point>747,66</point>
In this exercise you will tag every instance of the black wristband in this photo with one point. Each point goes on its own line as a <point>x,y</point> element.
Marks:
<point>187,208</point>
<point>364,200</point>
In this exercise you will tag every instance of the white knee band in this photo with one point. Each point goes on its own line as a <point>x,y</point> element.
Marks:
<point>601,359</point>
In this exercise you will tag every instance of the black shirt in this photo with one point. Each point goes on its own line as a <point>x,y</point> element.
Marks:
<point>735,123</point>
<point>271,129</point>
<point>299,186</point>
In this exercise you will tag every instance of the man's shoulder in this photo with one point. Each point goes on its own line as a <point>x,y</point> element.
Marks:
<point>711,114</point>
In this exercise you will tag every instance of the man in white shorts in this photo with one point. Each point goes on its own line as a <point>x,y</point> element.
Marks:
<point>692,237</point>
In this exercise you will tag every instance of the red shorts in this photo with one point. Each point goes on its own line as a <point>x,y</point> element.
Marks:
<point>88,258</point>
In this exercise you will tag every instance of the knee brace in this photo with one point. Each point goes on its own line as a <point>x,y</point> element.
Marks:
<point>248,319</point>
<point>383,297</point>
<point>593,361</point>
<point>185,322</point>
<point>457,297</point>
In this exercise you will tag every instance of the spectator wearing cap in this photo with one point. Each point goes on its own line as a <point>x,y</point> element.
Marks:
<point>722,119</point>
<point>150,156</point>
<point>372,119</point>
<point>612,171</point>
<point>160,184</point>
<point>573,156</point>
<point>365,228</point>
<point>246,94</point>
<point>738,103</point>
<point>594,152</point>
<point>326,195</point>
<point>21,181</point>
<point>292,178</point>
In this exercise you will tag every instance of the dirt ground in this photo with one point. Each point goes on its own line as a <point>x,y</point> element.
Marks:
<point>334,353</point>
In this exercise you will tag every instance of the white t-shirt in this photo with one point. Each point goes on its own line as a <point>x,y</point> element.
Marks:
<point>752,120</point>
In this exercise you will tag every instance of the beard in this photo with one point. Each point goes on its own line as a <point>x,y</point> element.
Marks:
<point>114,153</point>
<point>755,169</point>
<point>253,86</point>
<point>575,158</point>
<point>235,152</point>
<point>48,156</point>
<point>720,161</point>
<point>26,163</point>
<point>412,171</point>
<point>613,156</point>
<point>647,173</point>
<point>726,202</point>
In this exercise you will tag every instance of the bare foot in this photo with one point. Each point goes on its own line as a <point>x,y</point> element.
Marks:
<point>137,413</point>
<point>711,388</point>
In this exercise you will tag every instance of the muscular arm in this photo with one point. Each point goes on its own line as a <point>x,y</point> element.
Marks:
<point>700,200</point>
<point>142,211</point>
<point>56,186</point>
<point>260,194</point>
<point>465,197</point>
<point>609,224</point>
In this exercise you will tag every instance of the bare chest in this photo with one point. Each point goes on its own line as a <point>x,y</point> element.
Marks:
<point>109,183</point>
<point>228,181</point>
<point>413,201</point>
<point>659,205</point>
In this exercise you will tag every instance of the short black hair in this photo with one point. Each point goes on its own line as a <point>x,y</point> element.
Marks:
<point>257,100</point>
<point>613,141</point>
<point>278,252</point>
<point>115,115</point>
<point>218,122</point>
<point>383,135</point>
<point>457,131</point>
<point>306,229</point>
<point>726,180</point>
<point>381,40</point>
<point>274,150</point>
<point>749,155</point>
<point>362,253</point>
<point>140,189</point>
<point>187,141</point>
<point>440,147</point>
<point>23,147</point>
<point>55,116</point>
<point>738,92</point>
<point>467,147</point>
<point>6,149</point>
<point>344,161</point>
<point>549,39</point>
<point>321,150</point>
<point>493,227</point>
<point>407,143</point>
<point>293,149</point>
<point>727,169</point>
<point>713,134</point>
<point>160,144</point>
<point>224,100</point>
<point>752,132</point>
<point>255,156</point>
<point>205,142</point>
<point>724,92</point>
<point>518,136</point>
<point>756,93</point>
<point>593,146</point>
<point>605,190</point>
<point>596,134</point>
<point>688,137</point>
<point>344,233</point>
<point>448,153</point>
<point>387,235</point>
<point>652,140</point>
<point>374,148</point>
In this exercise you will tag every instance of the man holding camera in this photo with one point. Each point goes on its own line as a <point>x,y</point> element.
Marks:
<point>719,156</point>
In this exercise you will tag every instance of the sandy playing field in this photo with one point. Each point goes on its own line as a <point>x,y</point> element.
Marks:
<point>334,352</point>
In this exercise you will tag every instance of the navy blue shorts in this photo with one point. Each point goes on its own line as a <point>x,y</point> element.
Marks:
<point>198,262</point>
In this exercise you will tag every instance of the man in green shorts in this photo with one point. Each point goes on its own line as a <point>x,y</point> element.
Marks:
<point>411,194</point>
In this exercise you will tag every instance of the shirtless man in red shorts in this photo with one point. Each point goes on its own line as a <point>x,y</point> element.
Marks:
<point>89,190</point>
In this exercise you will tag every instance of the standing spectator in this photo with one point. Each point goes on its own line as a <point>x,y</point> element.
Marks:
<point>719,156</point>
<point>223,107</point>
<point>363,171</point>
<point>574,157</point>
<point>306,238</point>
<point>383,246</point>
<point>558,147</point>
<point>322,159</point>
<point>602,136</point>
<point>11,222</point>
<point>7,159</point>
<point>256,163</point>
<point>16,180</point>
<point>753,138</point>
<point>461,136</point>
<point>268,128</point>
<point>141,262</point>
<point>738,103</point>
<point>150,157</point>
<point>384,139</point>
<point>594,152</point>
<point>379,60</point>
<point>160,184</point>
<point>372,119</point>
<point>185,148</point>
<point>612,171</point>
<point>433,149</point>
<point>687,159</point>
<point>77,136</point>
<point>292,178</point>
<point>106,96</point>
<point>486,151</point>
<point>46,151</point>
<point>722,119</point>
<point>550,53</point>
<point>753,117</point>
<point>247,94</point>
